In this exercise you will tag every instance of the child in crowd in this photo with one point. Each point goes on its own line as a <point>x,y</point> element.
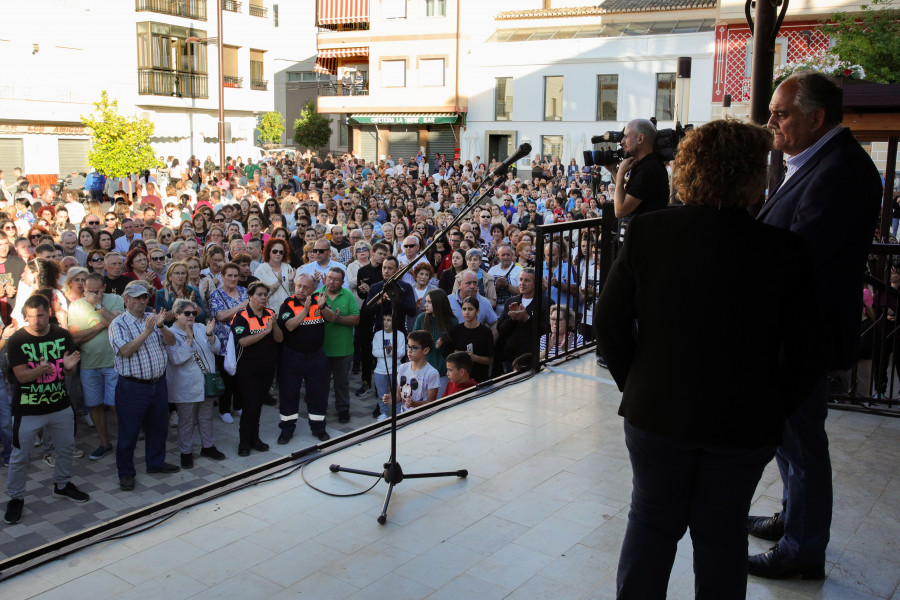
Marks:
<point>459,368</point>
<point>383,351</point>
<point>417,381</point>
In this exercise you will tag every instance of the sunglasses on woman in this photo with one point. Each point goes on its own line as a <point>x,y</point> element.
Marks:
<point>190,313</point>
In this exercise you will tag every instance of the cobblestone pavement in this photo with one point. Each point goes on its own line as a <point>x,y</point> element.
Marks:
<point>47,518</point>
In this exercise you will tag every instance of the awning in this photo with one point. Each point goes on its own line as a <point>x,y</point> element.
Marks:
<point>343,52</point>
<point>404,118</point>
<point>337,12</point>
<point>326,66</point>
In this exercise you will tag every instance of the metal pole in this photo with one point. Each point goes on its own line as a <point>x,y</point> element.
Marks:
<point>221,54</point>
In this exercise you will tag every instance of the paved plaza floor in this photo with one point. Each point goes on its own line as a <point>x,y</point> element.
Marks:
<point>541,515</point>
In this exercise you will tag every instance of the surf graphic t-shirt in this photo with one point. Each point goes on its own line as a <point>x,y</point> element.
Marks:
<point>47,394</point>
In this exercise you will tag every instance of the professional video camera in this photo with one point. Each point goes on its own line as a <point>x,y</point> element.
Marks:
<point>666,145</point>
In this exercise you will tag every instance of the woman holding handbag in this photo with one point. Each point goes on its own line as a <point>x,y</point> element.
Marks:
<point>193,381</point>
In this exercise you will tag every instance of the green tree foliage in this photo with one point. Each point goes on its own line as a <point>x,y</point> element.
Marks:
<point>119,145</point>
<point>870,39</point>
<point>312,130</point>
<point>270,127</point>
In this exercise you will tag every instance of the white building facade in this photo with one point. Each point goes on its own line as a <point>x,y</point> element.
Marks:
<point>158,58</point>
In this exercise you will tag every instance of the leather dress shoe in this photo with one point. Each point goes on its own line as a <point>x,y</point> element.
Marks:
<point>766,528</point>
<point>284,439</point>
<point>126,483</point>
<point>165,468</point>
<point>243,449</point>
<point>776,564</point>
<point>259,445</point>
<point>322,436</point>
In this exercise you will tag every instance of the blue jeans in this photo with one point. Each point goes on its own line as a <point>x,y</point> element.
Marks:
<point>805,465</point>
<point>99,386</point>
<point>6,430</point>
<point>141,406</point>
<point>680,485</point>
<point>382,384</point>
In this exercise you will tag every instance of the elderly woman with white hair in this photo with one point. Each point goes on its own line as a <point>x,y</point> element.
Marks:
<point>190,359</point>
<point>563,335</point>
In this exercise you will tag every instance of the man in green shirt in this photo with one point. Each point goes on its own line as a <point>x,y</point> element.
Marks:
<point>341,314</point>
<point>89,318</point>
<point>250,168</point>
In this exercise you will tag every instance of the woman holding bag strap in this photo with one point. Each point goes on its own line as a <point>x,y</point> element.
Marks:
<point>190,359</point>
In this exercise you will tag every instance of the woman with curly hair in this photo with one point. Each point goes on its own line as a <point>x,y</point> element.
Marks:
<point>40,274</point>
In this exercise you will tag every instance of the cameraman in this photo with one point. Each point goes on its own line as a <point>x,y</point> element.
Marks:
<point>647,188</point>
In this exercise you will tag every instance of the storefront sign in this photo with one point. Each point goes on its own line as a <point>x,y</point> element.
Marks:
<point>404,119</point>
<point>47,129</point>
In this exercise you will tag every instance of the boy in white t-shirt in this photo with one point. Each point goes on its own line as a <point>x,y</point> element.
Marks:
<point>383,351</point>
<point>417,381</point>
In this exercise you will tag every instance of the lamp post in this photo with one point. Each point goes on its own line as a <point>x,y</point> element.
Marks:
<point>220,52</point>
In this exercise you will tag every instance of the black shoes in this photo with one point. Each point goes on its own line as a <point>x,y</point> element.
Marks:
<point>126,483</point>
<point>187,461</point>
<point>322,436</point>
<point>14,511</point>
<point>165,468</point>
<point>365,387</point>
<point>259,445</point>
<point>601,362</point>
<point>766,528</point>
<point>70,492</point>
<point>376,412</point>
<point>284,439</point>
<point>212,452</point>
<point>775,564</point>
<point>344,416</point>
<point>243,449</point>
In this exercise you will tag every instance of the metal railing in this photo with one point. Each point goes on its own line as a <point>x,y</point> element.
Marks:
<point>231,81</point>
<point>342,27</point>
<point>258,11</point>
<point>332,88</point>
<point>232,6</point>
<point>158,82</point>
<point>191,9</point>
<point>259,84</point>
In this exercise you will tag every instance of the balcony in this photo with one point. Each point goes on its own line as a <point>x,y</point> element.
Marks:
<point>258,11</point>
<point>336,88</point>
<point>157,82</point>
<point>189,9</point>
<point>231,81</point>
<point>231,6</point>
<point>259,84</point>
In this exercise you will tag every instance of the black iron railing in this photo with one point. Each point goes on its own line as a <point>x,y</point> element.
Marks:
<point>258,11</point>
<point>231,81</point>
<point>157,82</point>
<point>190,9</point>
<point>336,88</point>
<point>232,6</point>
<point>259,84</point>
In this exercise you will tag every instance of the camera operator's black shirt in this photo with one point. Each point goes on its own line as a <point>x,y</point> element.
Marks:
<point>649,182</point>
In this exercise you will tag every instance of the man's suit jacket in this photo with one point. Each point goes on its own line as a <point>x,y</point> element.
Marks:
<point>833,202</point>
<point>516,337</point>
<point>725,346</point>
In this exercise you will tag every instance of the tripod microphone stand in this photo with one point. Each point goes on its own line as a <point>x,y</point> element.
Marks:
<point>393,473</point>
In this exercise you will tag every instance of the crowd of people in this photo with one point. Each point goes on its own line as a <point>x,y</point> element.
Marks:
<point>188,296</point>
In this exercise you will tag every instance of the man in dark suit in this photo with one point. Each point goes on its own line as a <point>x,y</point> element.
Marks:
<point>830,196</point>
<point>709,374</point>
<point>515,325</point>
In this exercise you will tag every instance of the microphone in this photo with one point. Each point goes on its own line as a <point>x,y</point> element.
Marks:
<point>520,152</point>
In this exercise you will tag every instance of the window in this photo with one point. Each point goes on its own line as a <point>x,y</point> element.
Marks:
<point>230,76</point>
<point>665,96</point>
<point>274,15</point>
<point>551,145</point>
<point>342,132</point>
<point>503,98</point>
<point>162,46</point>
<point>607,97</point>
<point>393,73</point>
<point>431,72</point>
<point>393,9</point>
<point>435,8</point>
<point>553,98</point>
<point>294,76</point>
<point>257,73</point>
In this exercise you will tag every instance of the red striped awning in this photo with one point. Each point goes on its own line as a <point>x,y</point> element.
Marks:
<point>326,66</point>
<point>343,52</point>
<point>338,12</point>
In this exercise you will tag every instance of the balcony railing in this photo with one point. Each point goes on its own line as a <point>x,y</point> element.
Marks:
<point>258,11</point>
<point>336,88</point>
<point>232,6</point>
<point>190,9</point>
<point>232,82</point>
<point>157,82</point>
<point>259,84</point>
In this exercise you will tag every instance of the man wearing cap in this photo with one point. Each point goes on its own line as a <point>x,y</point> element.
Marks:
<point>138,339</point>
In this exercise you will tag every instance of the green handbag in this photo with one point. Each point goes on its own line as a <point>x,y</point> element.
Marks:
<point>213,384</point>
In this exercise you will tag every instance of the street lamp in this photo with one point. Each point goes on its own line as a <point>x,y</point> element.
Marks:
<point>221,78</point>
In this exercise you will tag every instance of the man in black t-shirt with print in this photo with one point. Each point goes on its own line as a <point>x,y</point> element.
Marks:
<point>40,356</point>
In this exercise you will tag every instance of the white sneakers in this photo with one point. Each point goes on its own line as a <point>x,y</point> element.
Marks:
<point>227,418</point>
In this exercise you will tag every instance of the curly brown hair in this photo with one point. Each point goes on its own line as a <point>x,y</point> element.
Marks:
<point>273,241</point>
<point>722,164</point>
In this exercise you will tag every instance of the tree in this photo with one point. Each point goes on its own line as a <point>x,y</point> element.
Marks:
<point>312,129</point>
<point>270,127</point>
<point>870,39</point>
<point>120,145</point>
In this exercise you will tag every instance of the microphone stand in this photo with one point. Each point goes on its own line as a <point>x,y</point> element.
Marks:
<point>393,474</point>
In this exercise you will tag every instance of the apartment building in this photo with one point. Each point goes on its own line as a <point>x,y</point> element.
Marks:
<point>158,58</point>
<point>394,81</point>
